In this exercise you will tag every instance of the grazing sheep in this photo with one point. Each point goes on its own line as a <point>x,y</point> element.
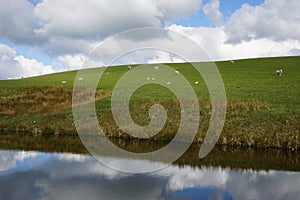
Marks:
<point>197,82</point>
<point>148,78</point>
<point>156,67</point>
<point>176,72</point>
<point>129,67</point>
<point>278,72</point>
<point>80,78</point>
<point>231,62</point>
<point>63,82</point>
<point>153,79</point>
<point>107,73</point>
<point>168,83</point>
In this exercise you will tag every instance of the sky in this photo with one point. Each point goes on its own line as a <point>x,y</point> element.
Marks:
<point>46,36</point>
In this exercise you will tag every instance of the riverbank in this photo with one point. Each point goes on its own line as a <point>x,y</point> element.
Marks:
<point>262,109</point>
<point>221,156</point>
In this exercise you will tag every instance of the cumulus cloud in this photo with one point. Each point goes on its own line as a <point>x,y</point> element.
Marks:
<point>177,9</point>
<point>170,47</point>
<point>212,11</point>
<point>214,42</point>
<point>16,66</point>
<point>17,22</point>
<point>58,46</point>
<point>68,31</point>
<point>78,61</point>
<point>165,57</point>
<point>69,19</point>
<point>62,26</point>
<point>71,62</point>
<point>274,19</point>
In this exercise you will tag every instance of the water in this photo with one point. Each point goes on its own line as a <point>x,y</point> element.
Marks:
<point>37,175</point>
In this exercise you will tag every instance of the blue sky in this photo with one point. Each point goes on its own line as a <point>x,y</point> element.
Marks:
<point>42,36</point>
<point>226,7</point>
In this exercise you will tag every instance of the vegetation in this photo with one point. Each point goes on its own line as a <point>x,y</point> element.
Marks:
<point>262,109</point>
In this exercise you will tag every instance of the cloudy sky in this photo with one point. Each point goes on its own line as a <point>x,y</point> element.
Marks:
<point>46,36</point>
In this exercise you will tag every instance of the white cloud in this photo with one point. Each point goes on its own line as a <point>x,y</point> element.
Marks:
<point>213,41</point>
<point>212,11</point>
<point>177,9</point>
<point>58,46</point>
<point>168,46</point>
<point>69,19</point>
<point>274,19</point>
<point>68,31</point>
<point>165,57</point>
<point>71,62</point>
<point>63,27</point>
<point>13,66</point>
<point>18,23</point>
<point>78,61</point>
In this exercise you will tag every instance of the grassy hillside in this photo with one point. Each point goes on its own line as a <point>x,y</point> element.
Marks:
<point>263,109</point>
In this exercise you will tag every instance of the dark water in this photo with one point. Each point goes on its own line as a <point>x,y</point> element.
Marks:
<point>37,175</point>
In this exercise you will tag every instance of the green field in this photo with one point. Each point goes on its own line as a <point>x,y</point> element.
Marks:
<point>262,109</point>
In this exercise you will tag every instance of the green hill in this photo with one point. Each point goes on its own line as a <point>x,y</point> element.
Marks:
<point>262,110</point>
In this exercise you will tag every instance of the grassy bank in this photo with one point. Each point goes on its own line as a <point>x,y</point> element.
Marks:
<point>262,109</point>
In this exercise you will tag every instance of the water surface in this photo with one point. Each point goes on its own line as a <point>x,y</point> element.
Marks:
<point>38,175</point>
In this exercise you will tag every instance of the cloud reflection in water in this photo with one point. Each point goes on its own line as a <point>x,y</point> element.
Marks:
<point>35,175</point>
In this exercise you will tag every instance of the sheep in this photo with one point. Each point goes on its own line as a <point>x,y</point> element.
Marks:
<point>231,62</point>
<point>169,83</point>
<point>156,67</point>
<point>129,67</point>
<point>176,72</point>
<point>278,72</point>
<point>153,79</point>
<point>197,82</point>
<point>63,82</point>
<point>148,78</point>
<point>80,78</point>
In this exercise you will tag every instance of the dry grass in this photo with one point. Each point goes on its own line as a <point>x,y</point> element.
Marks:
<point>242,126</point>
<point>44,111</point>
<point>47,99</point>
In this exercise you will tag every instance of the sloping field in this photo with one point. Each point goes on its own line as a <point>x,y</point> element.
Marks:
<point>262,108</point>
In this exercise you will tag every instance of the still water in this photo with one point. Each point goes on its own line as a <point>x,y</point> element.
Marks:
<point>37,175</point>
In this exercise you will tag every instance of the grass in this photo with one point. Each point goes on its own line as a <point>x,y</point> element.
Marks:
<point>262,109</point>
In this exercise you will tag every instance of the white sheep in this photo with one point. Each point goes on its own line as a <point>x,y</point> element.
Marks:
<point>148,78</point>
<point>129,67</point>
<point>63,82</point>
<point>169,83</point>
<point>278,72</point>
<point>231,62</point>
<point>80,78</point>
<point>153,79</point>
<point>176,72</point>
<point>197,82</point>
